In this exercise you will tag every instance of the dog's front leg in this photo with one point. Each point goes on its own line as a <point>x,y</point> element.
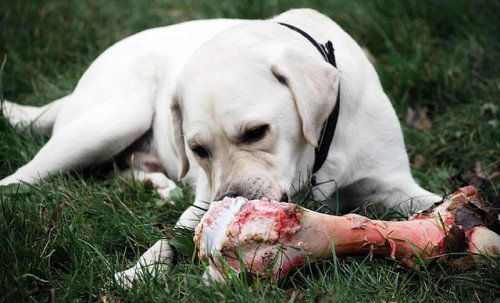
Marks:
<point>148,169</point>
<point>158,181</point>
<point>156,260</point>
<point>192,216</point>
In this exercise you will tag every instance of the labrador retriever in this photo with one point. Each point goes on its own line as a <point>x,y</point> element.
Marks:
<point>232,108</point>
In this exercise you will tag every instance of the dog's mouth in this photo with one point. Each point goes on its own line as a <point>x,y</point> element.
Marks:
<point>285,197</point>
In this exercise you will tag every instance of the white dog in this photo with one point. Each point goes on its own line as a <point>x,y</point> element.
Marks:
<point>248,99</point>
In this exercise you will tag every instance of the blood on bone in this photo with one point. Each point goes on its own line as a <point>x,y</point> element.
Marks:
<point>469,191</point>
<point>281,220</point>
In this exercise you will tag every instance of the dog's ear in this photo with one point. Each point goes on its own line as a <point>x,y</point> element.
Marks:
<point>179,137</point>
<point>314,86</point>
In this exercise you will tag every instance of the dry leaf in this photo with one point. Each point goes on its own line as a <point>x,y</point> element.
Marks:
<point>418,118</point>
<point>418,161</point>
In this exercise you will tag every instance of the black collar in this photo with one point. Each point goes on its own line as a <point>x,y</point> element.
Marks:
<point>328,129</point>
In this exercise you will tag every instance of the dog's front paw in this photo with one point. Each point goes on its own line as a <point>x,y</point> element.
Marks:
<point>152,264</point>
<point>156,180</point>
<point>163,185</point>
<point>126,278</point>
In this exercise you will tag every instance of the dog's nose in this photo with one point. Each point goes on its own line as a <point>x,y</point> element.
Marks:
<point>284,198</point>
<point>230,194</point>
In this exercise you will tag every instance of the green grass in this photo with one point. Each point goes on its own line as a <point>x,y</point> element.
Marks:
<point>72,232</point>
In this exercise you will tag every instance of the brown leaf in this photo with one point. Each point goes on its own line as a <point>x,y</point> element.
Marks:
<point>42,11</point>
<point>463,263</point>
<point>325,298</point>
<point>476,177</point>
<point>418,118</point>
<point>478,169</point>
<point>455,241</point>
<point>418,161</point>
<point>294,295</point>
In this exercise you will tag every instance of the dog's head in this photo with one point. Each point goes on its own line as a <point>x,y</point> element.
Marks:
<point>249,106</point>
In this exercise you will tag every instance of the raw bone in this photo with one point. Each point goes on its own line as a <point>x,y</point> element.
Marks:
<point>270,237</point>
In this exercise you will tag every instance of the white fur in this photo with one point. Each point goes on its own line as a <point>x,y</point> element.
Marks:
<point>229,83</point>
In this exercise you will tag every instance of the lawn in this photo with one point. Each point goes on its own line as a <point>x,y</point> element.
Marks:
<point>438,62</point>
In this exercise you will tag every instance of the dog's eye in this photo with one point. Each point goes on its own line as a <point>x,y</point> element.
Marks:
<point>200,152</point>
<point>254,134</point>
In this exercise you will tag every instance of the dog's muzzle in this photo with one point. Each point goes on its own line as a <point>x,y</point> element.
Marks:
<point>234,194</point>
